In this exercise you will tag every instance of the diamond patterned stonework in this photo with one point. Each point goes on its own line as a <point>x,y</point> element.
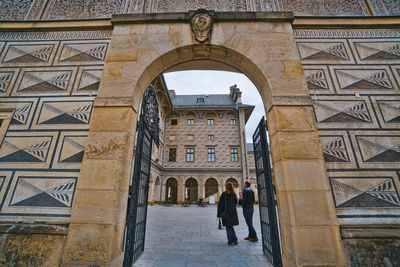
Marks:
<point>365,192</point>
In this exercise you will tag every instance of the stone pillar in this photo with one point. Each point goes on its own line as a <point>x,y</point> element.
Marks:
<point>201,187</point>
<point>162,193</point>
<point>243,147</point>
<point>95,233</point>
<point>181,189</point>
<point>308,223</point>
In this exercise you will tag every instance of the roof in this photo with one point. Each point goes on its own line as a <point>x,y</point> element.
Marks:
<point>204,101</point>
<point>250,147</point>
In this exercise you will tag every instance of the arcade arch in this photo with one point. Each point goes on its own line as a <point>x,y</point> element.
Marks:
<point>171,191</point>
<point>233,181</point>
<point>191,190</point>
<point>211,189</point>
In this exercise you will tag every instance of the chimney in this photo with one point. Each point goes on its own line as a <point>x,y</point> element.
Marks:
<point>236,94</point>
<point>171,93</point>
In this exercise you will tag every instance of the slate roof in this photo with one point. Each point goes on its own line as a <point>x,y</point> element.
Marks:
<point>250,147</point>
<point>210,101</point>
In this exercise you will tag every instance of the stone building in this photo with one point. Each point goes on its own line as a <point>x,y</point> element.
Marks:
<point>72,77</point>
<point>204,147</point>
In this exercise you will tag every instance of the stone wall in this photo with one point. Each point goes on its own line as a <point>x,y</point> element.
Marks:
<point>353,77</point>
<point>76,9</point>
<point>49,81</point>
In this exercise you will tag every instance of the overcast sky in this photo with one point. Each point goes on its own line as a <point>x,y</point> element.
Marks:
<point>195,82</point>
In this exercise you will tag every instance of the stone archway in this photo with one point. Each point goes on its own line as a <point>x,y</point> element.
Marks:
<point>171,191</point>
<point>192,189</point>
<point>260,45</point>
<point>211,188</point>
<point>233,181</point>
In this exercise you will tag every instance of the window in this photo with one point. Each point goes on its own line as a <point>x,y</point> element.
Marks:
<point>211,154</point>
<point>211,137</point>
<point>233,122</point>
<point>234,155</point>
<point>190,154</point>
<point>172,154</point>
<point>190,122</point>
<point>210,122</point>
<point>174,121</point>
<point>200,101</point>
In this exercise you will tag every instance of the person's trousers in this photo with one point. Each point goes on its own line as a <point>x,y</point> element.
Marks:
<point>248,216</point>
<point>230,233</point>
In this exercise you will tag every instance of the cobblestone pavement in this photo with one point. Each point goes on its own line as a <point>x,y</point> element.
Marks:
<point>188,236</point>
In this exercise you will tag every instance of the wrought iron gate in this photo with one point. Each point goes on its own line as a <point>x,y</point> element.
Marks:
<point>147,132</point>
<point>266,196</point>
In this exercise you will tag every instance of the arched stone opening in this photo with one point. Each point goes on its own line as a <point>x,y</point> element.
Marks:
<point>233,181</point>
<point>191,190</point>
<point>171,191</point>
<point>138,53</point>
<point>211,190</point>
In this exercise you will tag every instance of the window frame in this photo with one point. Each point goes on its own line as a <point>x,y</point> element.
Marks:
<point>211,120</point>
<point>233,122</point>
<point>169,154</point>
<point>234,151</point>
<point>211,137</point>
<point>211,153</point>
<point>190,154</point>
<point>173,119</point>
<point>190,124</point>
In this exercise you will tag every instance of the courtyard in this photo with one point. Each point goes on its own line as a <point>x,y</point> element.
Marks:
<point>188,236</point>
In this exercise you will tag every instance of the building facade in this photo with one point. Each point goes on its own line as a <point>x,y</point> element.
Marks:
<point>204,147</point>
<point>70,88</point>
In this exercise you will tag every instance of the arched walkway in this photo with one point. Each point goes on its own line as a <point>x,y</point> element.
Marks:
<point>233,181</point>
<point>171,191</point>
<point>211,189</point>
<point>141,48</point>
<point>191,187</point>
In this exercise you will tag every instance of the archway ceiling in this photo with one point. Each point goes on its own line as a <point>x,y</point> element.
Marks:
<point>202,65</point>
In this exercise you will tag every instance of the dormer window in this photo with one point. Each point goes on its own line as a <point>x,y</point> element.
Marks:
<point>200,101</point>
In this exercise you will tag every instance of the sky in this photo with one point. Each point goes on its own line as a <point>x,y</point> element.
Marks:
<point>193,82</point>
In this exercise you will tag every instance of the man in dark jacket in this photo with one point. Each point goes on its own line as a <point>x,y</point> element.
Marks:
<point>248,210</point>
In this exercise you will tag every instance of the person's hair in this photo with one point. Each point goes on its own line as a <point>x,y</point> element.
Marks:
<point>247,183</point>
<point>229,188</point>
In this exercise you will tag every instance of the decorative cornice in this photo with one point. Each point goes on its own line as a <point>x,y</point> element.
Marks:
<point>346,33</point>
<point>184,17</point>
<point>55,35</point>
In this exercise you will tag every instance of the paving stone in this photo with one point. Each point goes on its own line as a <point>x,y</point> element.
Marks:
<point>178,236</point>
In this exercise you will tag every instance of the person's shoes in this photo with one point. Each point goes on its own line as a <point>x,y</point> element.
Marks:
<point>232,243</point>
<point>253,239</point>
<point>247,238</point>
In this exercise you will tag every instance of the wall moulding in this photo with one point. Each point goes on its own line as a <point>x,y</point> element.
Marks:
<point>348,33</point>
<point>18,35</point>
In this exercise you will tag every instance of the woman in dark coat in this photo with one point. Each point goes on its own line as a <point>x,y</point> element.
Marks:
<point>227,206</point>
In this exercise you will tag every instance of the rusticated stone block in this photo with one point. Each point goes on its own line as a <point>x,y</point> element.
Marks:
<point>89,242</point>
<point>373,252</point>
<point>31,250</point>
<point>291,118</point>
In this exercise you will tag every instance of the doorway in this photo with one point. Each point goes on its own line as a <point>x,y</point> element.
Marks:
<point>192,187</point>
<point>171,191</point>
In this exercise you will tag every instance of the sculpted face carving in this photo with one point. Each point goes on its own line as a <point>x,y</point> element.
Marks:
<point>201,22</point>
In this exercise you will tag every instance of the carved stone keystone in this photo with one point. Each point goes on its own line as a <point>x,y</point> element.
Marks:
<point>201,22</point>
